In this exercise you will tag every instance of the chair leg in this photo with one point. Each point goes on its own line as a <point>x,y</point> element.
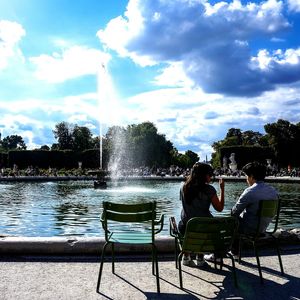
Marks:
<point>113,257</point>
<point>221,264</point>
<point>233,269</point>
<point>156,267</point>
<point>279,256</point>
<point>101,266</point>
<point>240,249</point>
<point>153,260</point>
<point>179,269</point>
<point>258,263</point>
<point>176,252</point>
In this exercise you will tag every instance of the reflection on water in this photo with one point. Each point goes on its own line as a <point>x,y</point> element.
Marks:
<point>74,208</point>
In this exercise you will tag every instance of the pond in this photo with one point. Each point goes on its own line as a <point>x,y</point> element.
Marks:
<point>73,208</point>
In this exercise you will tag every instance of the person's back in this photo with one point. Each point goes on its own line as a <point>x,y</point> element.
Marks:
<point>196,195</point>
<point>199,205</point>
<point>247,206</point>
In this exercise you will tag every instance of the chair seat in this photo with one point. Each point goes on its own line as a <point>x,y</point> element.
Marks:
<point>131,237</point>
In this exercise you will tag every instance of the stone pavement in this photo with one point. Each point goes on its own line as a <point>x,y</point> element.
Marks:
<point>75,278</point>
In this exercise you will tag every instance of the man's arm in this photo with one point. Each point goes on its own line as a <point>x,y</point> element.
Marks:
<point>241,204</point>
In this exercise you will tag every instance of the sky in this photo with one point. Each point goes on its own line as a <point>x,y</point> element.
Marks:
<point>194,68</point>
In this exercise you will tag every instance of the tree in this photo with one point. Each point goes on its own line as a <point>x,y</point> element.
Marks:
<point>138,145</point>
<point>73,137</point>
<point>193,157</point>
<point>252,138</point>
<point>284,138</point>
<point>45,147</point>
<point>63,133</point>
<point>82,138</point>
<point>13,142</point>
<point>234,135</point>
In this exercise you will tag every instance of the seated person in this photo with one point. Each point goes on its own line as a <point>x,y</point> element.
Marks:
<point>196,195</point>
<point>247,206</point>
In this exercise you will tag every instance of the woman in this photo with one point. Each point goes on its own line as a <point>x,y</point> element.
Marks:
<point>196,195</point>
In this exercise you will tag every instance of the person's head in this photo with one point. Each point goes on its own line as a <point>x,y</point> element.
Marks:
<point>255,171</point>
<point>201,173</point>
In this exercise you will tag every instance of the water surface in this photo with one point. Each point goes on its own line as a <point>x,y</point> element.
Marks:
<point>74,207</point>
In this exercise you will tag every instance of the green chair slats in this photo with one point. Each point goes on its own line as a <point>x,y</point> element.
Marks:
<point>130,224</point>
<point>205,235</point>
<point>267,209</point>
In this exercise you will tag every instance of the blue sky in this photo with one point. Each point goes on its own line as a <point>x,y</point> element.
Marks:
<point>194,68</point>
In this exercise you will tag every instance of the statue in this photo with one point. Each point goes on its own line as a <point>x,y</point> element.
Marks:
<point>233,164</point>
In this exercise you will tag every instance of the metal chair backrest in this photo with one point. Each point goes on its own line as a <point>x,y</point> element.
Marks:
<point>209,235</point>
<point>133,214</point>
<point>269,209</point>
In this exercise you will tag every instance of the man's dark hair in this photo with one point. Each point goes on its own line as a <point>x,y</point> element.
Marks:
<point>255,169</point>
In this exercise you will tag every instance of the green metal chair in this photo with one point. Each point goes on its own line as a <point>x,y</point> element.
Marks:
<point>267,209</point>
<point>206,235</point>
<point>130,224</point>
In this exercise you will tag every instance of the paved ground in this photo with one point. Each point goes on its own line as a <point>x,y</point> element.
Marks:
<point>75,278</point>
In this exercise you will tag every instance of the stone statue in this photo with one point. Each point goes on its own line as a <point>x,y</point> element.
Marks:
<point>233,164</point>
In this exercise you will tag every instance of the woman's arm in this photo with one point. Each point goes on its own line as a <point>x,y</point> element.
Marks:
<point>218,203</point>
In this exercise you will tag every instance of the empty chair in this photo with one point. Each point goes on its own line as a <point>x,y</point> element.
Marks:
<point>130,224</point>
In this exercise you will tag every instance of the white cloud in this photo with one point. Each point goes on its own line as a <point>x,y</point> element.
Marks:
<point>266,60</point>
<point>294,5</point>
<point>179,113</point>
<point>211,42</point>
<point>10,35</point>
<point>73,62</point>
<point>173,75</point>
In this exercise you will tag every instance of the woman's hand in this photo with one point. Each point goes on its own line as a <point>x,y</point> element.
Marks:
<point>221,184</point>
<point>218,203</point>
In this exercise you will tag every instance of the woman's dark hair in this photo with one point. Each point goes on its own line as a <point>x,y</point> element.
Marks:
<point>255,169</point>
<point>196,180</point>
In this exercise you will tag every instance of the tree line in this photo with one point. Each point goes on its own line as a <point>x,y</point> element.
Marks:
<point>141,145</point>
<point>133,146</point>
<point>281,143</point>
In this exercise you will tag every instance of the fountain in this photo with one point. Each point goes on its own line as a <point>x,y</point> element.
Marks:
<point>102,86</point>
<point>110,110</point>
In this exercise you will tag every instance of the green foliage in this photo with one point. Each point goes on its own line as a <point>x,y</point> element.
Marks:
<point>138,145</point>
<point>12,142</point>
<point>186,160</point>
<point>63,132</point>
<point>73,137</point>
<point>284,138</point>
<point>82,138</point>
<point>45,148</point>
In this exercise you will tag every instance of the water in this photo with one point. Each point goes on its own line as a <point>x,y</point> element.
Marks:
<point>73,208</point>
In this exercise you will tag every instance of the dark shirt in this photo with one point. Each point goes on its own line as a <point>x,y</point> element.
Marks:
<point>199,206</point>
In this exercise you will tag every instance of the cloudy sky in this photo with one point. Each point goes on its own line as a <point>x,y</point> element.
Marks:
<point>194,68</point>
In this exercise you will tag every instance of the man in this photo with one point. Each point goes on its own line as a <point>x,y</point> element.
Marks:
<point>247,206</point>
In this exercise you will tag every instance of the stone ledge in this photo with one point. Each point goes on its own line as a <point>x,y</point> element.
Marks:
<point>73,246</point>
<point>93,245</point>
